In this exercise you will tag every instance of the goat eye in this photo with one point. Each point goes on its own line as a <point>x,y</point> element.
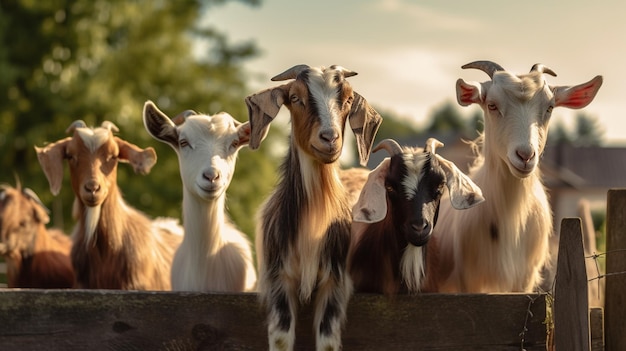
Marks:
<point>492,107</point>
<point>235,144</point>
<point>389,189</point>
<point>549,110</point>
<point>183,143</point>
<point>294,98</point>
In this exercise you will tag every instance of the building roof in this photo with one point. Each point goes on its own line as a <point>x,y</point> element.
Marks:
<point>584,167</point>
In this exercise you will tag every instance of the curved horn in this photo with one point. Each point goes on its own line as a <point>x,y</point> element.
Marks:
<point>542,69</point>
<point>346,72</point>
<point>432,144</point>
<point>392,147</point>
<point>182,117</point>
<point>486,66</point>
<point>29,193</point>
<point>110,126</point>
<point>291,73</point>
<point>76,124</point>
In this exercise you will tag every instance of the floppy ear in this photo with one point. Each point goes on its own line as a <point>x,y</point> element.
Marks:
<point>372,204</point>
<point>262,109</point>
<point>364,121</point>
<point>142,160</point>
<point>464,193</point>
<point>51,160</point>
<point>159,125</point>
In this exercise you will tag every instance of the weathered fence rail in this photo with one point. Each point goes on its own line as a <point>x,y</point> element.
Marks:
<point>33,319</point>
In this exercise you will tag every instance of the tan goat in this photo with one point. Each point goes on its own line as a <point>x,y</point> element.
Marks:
<point>115,245</point>
<point>36,257</point>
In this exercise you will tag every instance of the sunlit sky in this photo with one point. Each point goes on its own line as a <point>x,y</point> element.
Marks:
<point>409,53</point>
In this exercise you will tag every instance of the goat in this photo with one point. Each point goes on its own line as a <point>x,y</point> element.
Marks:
<point>502,245</point>
<point>115,245</point>
<point>303,234</point>
<point>36,257</point>
<point>214,254</point>
<point>396,213</point>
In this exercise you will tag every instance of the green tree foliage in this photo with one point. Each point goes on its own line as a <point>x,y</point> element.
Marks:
<point>586,131</point>
<point>96,60</point>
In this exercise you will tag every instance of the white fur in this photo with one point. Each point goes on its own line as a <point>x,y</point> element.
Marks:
<point>502,245</point>
<point>214,254</point>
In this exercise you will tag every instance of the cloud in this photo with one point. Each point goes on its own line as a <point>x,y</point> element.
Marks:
<point>425,16</point>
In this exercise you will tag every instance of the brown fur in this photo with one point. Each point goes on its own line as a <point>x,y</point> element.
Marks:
<point>36,257</point>
<point>119,247</point>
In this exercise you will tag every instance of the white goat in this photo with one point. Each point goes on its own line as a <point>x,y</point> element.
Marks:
<point>502,245</point>
<point>214,255</point>
<point>304,230</point>
<point>115,246</point>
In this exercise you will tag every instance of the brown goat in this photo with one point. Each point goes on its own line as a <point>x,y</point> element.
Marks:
<point>115,246</point>
<point>36,257</point>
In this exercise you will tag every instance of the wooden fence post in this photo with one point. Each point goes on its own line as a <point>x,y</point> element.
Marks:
<point>571,303</point>
<point>615,288</point>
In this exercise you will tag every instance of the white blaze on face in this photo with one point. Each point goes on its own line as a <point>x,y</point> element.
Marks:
<point>414,162</point>
<point>324,90</point>
<point>93,139</point>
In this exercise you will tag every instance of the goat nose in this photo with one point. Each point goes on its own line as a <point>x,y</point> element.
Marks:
<point>525,155</point>
<point>329,135</point>
<point>92,186</point>
<point>211,175</point>
<point>420,226</point>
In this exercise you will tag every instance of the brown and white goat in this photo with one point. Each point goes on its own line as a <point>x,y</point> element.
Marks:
<point>395,216</point>
<point>36,257</point>
<point>304,228</point>
<point>115,245</point>
<point>502,245</point>
<point>214,254</point>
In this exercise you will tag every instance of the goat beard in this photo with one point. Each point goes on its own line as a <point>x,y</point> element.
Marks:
<point>412,265</point>
<point>92,217</point>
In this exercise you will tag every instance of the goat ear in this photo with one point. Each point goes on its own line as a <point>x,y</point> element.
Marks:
<point>159,125</point>
<point>262,109</point>
<point>142,160</point>
<point>372,204</point>
<point>577,96</point>
<point>464,193</point>
<point>243,133</point>
<point>364,121</point>
<point>467,93</point>
<point>51,160</point>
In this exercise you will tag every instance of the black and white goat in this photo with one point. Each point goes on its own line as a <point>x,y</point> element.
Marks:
<point>395,216</point>
<point>303,235</point>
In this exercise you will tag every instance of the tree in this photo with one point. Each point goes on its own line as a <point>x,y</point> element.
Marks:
<point>99,60</point>
<point>447,119</point>
<point>587,131</point>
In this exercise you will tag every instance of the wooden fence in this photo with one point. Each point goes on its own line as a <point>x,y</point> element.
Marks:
<point>33,319</point>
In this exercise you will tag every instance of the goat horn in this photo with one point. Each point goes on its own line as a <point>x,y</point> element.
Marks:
<point>392,147</point>
<point>542,69</point>
<point>346,72</point>
<point>182,117</point>
<point>432,144</point>
<point>291,73</point>
<point>110,126</point>
<point>486,66</point>
<point>76,124</point>
<point>28,192</point>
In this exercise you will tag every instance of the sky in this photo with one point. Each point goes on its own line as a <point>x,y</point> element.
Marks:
<point>408,54</point>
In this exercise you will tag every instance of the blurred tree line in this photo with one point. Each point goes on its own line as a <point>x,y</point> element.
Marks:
<point>97,60</point>
<point>63,60</point>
